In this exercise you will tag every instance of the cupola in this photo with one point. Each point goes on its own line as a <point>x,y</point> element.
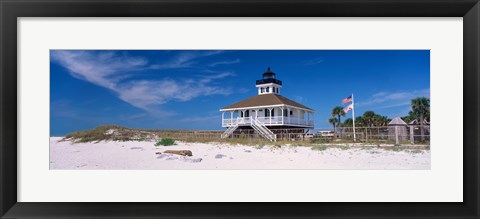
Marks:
<point>268,84</point>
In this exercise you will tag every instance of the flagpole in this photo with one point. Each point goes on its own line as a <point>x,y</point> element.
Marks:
<point>353,118</point>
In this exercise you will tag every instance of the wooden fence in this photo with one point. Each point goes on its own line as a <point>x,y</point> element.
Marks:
<point>374,135</point>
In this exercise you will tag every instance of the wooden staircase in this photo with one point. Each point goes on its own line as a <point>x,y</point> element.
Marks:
<point>229,131</point>
<point>263,130</point>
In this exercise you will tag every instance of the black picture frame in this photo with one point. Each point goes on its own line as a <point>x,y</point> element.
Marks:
<point>10,10</point>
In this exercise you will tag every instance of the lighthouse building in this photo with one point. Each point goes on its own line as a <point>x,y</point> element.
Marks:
<point>267,112</point>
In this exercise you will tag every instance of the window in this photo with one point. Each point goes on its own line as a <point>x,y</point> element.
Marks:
<point>267,113</point>
<point>285,113</point>
<point>268,89</point>
<point>273,112</point>
<point>247,114</point>
<point>291,112</point>
<point>262,90</point>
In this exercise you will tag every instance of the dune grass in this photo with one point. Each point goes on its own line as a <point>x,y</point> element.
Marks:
<point>97,134</point>
<point>108,132</point>
<point>169,137</point>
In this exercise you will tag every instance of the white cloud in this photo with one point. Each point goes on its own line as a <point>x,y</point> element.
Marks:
<point>224,63</point>
<point>113,70</point>
<point>383,100</point>
<point>101,68</point>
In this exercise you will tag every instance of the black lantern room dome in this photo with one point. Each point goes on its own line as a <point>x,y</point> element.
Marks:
<point>269,77</point>
<point>268,74</point>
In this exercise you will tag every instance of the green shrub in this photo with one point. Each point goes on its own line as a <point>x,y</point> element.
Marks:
<point>165,142</point>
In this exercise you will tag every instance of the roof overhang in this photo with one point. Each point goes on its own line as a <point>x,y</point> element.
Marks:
<point>269,84</point>
<point>266,106</point>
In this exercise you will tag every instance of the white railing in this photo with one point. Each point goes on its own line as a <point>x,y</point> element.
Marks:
<point>274,120</point>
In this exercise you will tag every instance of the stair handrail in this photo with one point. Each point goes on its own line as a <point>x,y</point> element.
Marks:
<point>262,125</point>
<point>263,130</point>
<point>229,131</point>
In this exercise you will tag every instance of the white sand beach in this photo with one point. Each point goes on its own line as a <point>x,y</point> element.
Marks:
<point>141,155</point>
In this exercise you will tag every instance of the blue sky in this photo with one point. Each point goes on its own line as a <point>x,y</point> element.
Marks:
<point>171,89</point>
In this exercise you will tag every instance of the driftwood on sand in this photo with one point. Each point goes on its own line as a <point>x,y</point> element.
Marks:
<point>178,152</point>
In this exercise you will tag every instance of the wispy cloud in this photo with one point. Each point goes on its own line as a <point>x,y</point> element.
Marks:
<point>383,100</point>
<point>299,99</point>
<point>101,68</point>
<point>218,75</point>
<point>242,90</point>
<point>224,63</point>
<point>315,61</point>
<point>201,118</point>
<point>185,59</point>
<point>113,71</point>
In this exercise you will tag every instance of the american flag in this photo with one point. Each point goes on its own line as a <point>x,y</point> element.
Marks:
<point>348,108</point>
<point>346,100</point>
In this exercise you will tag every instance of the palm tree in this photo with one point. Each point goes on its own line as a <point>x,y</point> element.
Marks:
<point>377,120</point>
<point>421,107</point>
<point>333,121</point>
<point>410,117</point>
<point>369,118</point>
<point>359,121</point>
<point>385,120</point>
<point>381,120</point>
<point>337,112</point>
<point>348,122</point>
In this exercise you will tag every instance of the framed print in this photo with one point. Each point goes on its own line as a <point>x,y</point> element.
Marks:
<point>321,109</point>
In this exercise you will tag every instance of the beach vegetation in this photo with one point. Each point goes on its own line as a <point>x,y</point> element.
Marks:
<point>165,142</point>
<point>259,146</point>
<point>277,145</point>
<point>407,149</point>
<point>325,147</point>
<point>99,133</point>
<point>320,141</point>
<point>342,147</point>
<point>320,147</point>
<point>109,133</point>
<point>416,151</point>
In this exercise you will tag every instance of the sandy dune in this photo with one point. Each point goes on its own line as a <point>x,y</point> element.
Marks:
<point>141,156</point>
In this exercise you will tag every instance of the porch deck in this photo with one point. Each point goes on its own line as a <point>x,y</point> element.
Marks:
<point>269,121</point>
